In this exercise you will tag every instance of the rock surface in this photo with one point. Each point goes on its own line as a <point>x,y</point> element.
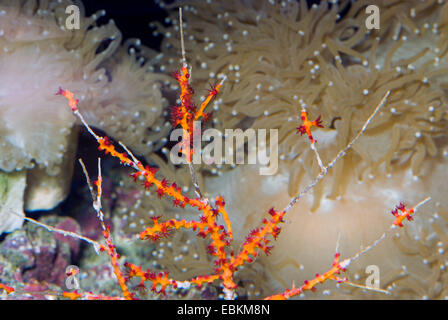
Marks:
<point>12,189</point>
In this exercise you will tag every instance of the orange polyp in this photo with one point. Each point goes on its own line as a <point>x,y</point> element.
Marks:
<point>72,295</point>
<point>405,214</point>
<point>311,284</point>
<point>307,125</point>
<point>72,102</point>
<point>8,289</point>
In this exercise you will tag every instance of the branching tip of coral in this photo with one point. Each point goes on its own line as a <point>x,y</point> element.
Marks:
<point>109,248</point>
<point>305,128</point>
<point>338,267</point>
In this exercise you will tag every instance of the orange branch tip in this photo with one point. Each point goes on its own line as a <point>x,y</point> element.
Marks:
<point>7,289</point>
<point>72,102</point>
<point>401,213</point>
<point>308,285</point>
<point>305,128</point>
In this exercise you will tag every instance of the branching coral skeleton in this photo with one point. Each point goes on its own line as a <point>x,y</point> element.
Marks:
<point>226,261</point>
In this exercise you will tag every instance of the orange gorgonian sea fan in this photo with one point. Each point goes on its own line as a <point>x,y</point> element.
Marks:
<point>226,262</point>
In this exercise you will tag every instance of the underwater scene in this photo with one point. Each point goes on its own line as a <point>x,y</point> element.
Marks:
<point>234,149</point>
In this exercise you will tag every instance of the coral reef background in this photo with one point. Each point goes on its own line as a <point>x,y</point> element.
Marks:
<point>268,51</point>
<point>113,77</point>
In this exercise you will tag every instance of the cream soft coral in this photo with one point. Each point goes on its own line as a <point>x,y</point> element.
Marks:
<point>118,90</point>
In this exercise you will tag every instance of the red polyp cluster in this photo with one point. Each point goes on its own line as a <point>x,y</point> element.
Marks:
<point>176,115</point>
<point>400,213</point>
<point>160,280</point>
<point>186,113</point>
<point>305,128</point>
<point>213,91</point>
<point>257,238</point>
<point>183,113</point>
<point>311,284</point>
<point>72,102</point>
<point>157,231</point>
